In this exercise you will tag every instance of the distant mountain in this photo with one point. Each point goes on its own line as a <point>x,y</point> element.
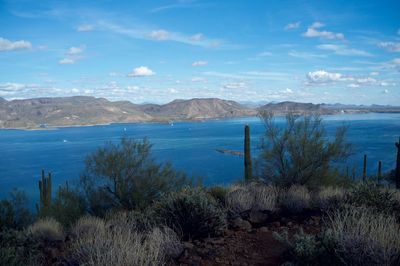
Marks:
<point>67,111</point>
<point>83,110</point>
<point>295,107</point>
<point>197,109</point>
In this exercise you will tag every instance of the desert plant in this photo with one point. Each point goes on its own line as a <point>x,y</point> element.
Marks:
<point>248,173</point>
<point>193,213</point>
<point>125,176</point>
<point>252,196</point>
<point>295,199</point>
<point>218,193</point>
<point>372,195</point>
<point>88,225</point>
<point>46,229</point>
<point>18,249</point>
<point>121,246</point>
<point>13,211</point>
<point>300,152</point>
<point>330,197</point>
<point>364,236</point>
<point>45,188</point>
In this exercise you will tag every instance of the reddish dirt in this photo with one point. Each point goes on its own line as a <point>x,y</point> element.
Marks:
<point>257,247</point>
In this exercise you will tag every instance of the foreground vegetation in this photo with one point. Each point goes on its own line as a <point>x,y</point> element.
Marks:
<point>130,210</point>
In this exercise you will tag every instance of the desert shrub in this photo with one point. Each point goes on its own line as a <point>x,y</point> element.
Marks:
<point>17,249</point>
<point>300,152</point>
<point>365,237</point>
<point>125,176</point>
<point>308,249</point>
<point>13,212</point>
<point>218,193</point>
<point>330,198</point>
<point>193,213</point>
<point>88,225</point>
<point>372,195</point>
<point>68,205</point>
<point>295,199</point>
<point>121,246</point>
<point>46,229</point>
<point>252,196</point>
<point>139,221</point>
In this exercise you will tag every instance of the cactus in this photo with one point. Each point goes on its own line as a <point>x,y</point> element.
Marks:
<point>397,172</point>
<point>365,168</point>
<point>247,156</point>
<point>379,171</point>
<point>45,194</point>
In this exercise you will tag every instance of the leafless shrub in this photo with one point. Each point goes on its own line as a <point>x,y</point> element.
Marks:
<point>47,229</point>
<point>365,237</point>
<point>88,225</point>
<point>295,199</point>
<point>329,197</point>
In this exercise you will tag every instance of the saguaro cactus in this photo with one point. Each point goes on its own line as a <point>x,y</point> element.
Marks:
<point>365,168</point>
<point>397,173</point>
<point>247,156</point>
<point>45,194</point>
<point>379,170</point>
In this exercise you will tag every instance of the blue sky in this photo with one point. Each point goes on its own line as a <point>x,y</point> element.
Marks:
<point>157,51</point>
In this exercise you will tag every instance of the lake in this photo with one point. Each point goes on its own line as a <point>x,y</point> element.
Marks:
<point>190,146</point>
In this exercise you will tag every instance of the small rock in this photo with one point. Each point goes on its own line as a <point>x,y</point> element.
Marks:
<point>289,224</point>
<point>264,229</point>
<point>241,224</point>
<point>257,217</point>
<point>188,245</point>
<point>276,224</point>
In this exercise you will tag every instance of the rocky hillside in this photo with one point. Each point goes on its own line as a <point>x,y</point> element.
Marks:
<point>297,108</point>
<point>67,111</point>
<point>197,109</point>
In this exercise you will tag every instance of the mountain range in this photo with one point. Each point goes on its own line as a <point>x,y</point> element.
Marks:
<point>85,110</point>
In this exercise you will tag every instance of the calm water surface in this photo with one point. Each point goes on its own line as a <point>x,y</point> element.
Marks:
<point>190,146</point>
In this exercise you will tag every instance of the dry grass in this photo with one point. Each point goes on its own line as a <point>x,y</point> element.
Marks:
<point>120,245</point>
<point>47,229</point>
<point>88,225</point>
<point>252,196</point>
<point>364,237</point>
<point>329,196</point>
<point>295,199</point>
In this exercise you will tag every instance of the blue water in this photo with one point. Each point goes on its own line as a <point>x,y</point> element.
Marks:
<point>190,146</point>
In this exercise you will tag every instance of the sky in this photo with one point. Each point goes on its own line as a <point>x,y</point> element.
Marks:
<point>157,51</point>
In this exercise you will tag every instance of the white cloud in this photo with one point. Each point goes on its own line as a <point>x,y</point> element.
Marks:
<point>321,76</point>
<point>159,35</point>
<point>235,85</point>
<point>197,37</point>
<point>353,85</point>
<point>7,45</point>
<point>198,79</point>
<point>312,31</point>
<point>390,46</point>
<point>305,55</point>
<point>291,26</point>
<point>343,50</point>
<point>263,54</point>
<point>374,74</point>
<point>66,61</point>
<point>74,51</point>
<point>199,63</point>
<point>85,27</point>
<point>141,71</point>
<point>385,91</point>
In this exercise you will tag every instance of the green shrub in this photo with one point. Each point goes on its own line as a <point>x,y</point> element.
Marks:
<point>192,213</point>
<point>126,176</point>
<point>372,195</point>
<point>218,193</point>
<point>17,249</point>
<point>308,249</point>
<point>13,212</point>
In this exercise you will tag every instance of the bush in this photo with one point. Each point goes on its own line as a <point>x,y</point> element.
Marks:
<point>218,193</point>
<point>371,195</point>
<point>125,176</point>
<point>17,249</point>
<point>365,237</point>
<point>296,199</point>
<point>252,196</point>
<point>328,198</point>
<point>119,245</point>
<point>46,229</point>
<point>192,213</point>
<point>13,212</point>
<point>88,225</point>
<point>300,152</point>
<point>308,249</point>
